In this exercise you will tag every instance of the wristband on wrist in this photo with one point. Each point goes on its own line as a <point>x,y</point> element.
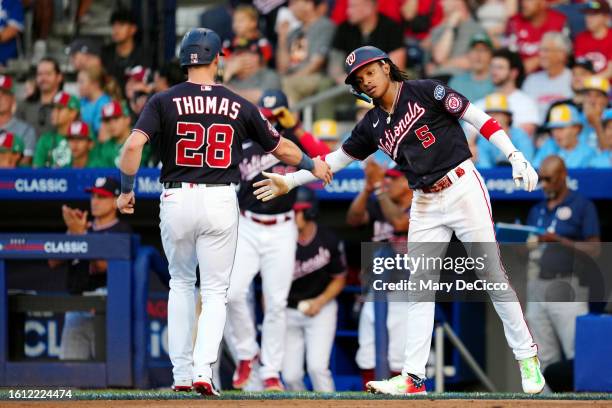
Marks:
<point>306,163</point>
<point>127,183</point>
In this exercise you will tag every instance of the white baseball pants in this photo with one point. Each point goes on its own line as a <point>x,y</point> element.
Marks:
<point>553,324</point>
<point>270,250</point>
<point>199,225</point>
<point>463,208</point>
<point>397,322</point>
<point>313,337</point>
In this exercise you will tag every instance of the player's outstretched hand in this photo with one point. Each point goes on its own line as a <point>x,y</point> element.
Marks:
<point>522,171</point>
<point>322,170</point>
<point>273,186</point>
<point>125,203</point>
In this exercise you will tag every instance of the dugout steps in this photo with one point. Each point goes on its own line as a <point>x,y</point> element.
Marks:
<point>239,395</point>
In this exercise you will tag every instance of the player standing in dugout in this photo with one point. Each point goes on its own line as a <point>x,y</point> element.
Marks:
<point>416,123</point>
<point>199,127</point>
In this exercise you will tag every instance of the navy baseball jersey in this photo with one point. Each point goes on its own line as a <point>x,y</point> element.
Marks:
<point>383,230</point>
<point>423,136</point>
<point>79,277</point>
<point>254,161</point>
<point>316,263</point>
<point>199,130</point>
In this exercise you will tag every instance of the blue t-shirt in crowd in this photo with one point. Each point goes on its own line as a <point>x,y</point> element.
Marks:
<point>490,156</point>
<point>578,157</point>
<point>11,13</point>
<point>472,89</point>
<point>603,160</point>
<point>91,111</point>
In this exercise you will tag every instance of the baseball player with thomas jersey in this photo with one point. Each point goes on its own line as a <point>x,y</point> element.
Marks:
<point>266,243</point>
<point>312,311</point>
<point>199,127</point>
<point>416,123</point>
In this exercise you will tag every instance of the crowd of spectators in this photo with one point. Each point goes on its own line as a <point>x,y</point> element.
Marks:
<point>541,67</point>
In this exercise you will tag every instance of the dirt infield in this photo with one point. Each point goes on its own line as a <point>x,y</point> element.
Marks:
<point>294,403</point>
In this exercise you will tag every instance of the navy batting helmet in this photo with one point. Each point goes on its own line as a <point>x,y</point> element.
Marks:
<point>360,57</point>
<point>307,202</point>
<point>199,46</point>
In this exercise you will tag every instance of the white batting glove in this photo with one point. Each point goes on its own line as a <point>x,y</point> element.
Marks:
<point>273,186</point>
<point>523,171</point>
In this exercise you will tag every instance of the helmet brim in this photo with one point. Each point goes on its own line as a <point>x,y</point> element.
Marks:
<point>350,78</point>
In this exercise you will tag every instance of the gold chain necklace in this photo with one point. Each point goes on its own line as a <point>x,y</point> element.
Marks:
<point>389,113</point>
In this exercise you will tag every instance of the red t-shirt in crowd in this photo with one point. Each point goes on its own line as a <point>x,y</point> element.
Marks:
<point>392,9</point>
<point>526,37</point>
<point>598,51</point>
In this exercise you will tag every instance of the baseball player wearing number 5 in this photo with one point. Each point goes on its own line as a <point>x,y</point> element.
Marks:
<point>199,127</point>
<point>416,123</point>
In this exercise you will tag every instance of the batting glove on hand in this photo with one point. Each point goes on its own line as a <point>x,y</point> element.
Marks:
<point>273,186</point>
<point>523,171</point>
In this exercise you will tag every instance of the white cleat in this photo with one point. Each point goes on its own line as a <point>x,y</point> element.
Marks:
<point>398,385</point>
<point>531,376</point>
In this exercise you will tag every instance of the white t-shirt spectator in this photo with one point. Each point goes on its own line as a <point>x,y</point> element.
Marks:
<point>545,90</point>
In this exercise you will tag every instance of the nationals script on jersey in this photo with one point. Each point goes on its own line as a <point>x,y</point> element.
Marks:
<point>424,136</point>
<point>199,130</point>
<point>253,162</point>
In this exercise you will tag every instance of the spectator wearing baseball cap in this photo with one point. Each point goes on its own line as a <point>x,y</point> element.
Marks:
<point>498,107</point>
<point>604,156</point>
<point>11,24</point>
<point>581,69</point>
<point>118,124</point>
<point>476,83</point>
<point>565,125</point>
<point>596,42</point>
<point>81,142</point>
<point>13,125</point>
<point>124,52</point>
<point>274,105</point>
<point>85,53</point>
<point>78,340</point>
<point>11,149</point>
<point>138,88</point>
<point>246,72</point>
<point>52,148</point>
<point>595,99</point>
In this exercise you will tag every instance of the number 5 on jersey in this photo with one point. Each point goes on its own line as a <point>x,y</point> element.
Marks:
<point>425,136</point>
<point>218,139</point>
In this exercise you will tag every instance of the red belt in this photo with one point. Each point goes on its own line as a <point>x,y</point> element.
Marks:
<point>262,221</point>
<point>444,182</point>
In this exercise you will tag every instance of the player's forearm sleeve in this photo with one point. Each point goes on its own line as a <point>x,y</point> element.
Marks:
<point>489,128</point>
<point>313,146</point>
<point>337,160</point>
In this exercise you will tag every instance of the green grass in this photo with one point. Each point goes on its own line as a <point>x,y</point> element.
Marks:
<point>112,394</point>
